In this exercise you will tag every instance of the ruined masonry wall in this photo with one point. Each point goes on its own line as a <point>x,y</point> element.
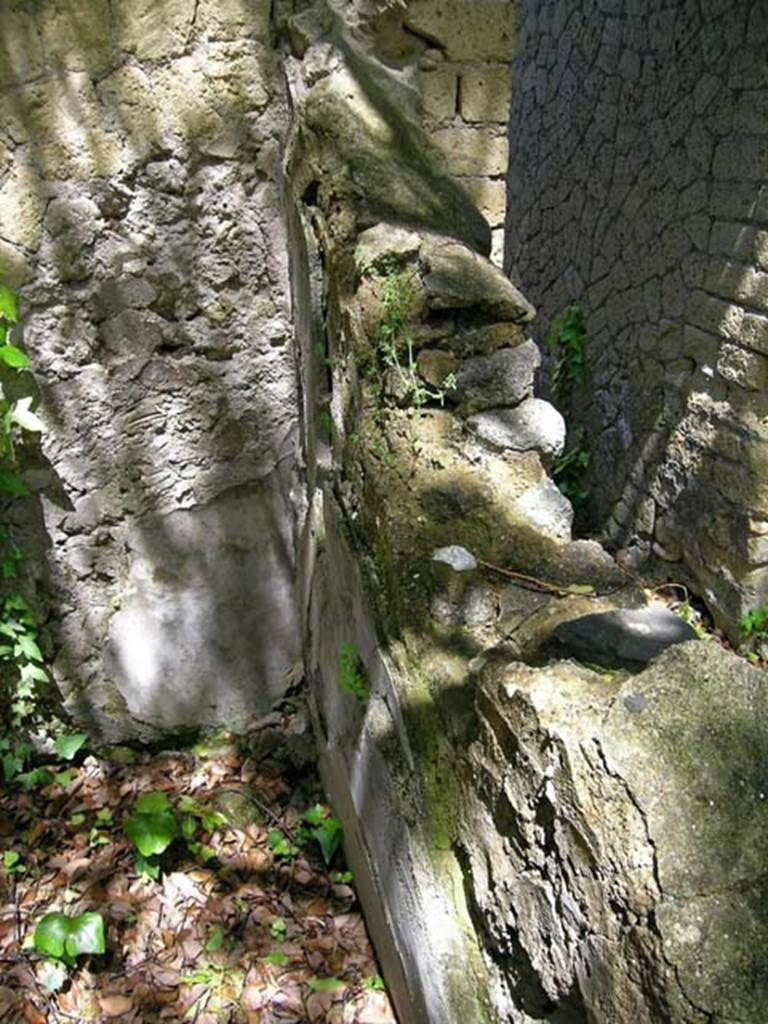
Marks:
<point>638,185</point>
<point>141,215</point>
<point>464,85</point>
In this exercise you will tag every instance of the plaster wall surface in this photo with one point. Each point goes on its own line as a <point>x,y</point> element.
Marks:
<point>638,185</point>
<point>141,218</point>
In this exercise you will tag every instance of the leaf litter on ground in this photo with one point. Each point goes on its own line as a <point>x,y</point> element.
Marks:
<point>244,936</point>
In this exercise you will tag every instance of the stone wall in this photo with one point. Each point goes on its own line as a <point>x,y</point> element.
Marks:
<point>455,57</point>
<point>464,84</point>
<point>637,185</point>
<point>140,211</point>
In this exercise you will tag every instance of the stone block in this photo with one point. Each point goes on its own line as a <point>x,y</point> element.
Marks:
<point>153,30</point>
<point>457,278</point>
<point>741,242</point>
<point>743,367</point>
<point>741,158</point>
<point>438,91</point>
<point>473,151</point>
<point>534,425</point>
<point>129,97</point>
<point>485,93</point>
<point>248,19</point>
<point>435,365</point>
<point>504,378</point>
<point>77,36</point>
<point>489,196</point>
<point>738,282</point>
<point>481,31</point>
<point>21,53</point>
<point>15,269</point>
<point>22,205</point>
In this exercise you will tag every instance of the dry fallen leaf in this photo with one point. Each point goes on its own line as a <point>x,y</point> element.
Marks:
<point>115,1005</point>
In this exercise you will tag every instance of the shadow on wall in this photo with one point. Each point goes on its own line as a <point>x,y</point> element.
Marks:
<point>139,206</point>
<point>637,186</point>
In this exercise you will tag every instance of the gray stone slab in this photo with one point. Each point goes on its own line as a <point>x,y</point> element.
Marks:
<point>629,635</point>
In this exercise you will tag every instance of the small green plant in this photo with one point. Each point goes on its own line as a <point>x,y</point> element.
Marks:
<point>569,468</point>
<point>320,825</point>
<point>64,939</point>
<point>753,627</point>
<point>154,825</point>
<point>352,677</point>
<point>567,338</point>
<point>20,654</point>
<point>278,929</point>
<point>12,863</point>
<point>395,341</point>
<point>280,846</point>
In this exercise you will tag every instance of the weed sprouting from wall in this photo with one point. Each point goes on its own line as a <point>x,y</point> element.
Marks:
<point>567,339</point>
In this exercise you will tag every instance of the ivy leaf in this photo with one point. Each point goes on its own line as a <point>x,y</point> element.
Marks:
<point>147,868</point>
<point>315,815</point>
<point>9,305</point>
<point>152,803</point>
<point>13,356</point>
<point>51,935</point>
<point>65,938</point>
<point>69,744</point>
<point>152,834</point>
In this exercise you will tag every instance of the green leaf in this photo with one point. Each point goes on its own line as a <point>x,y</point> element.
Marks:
<point>328,837</point>
<point>66,938</point>
<point>27,646</point>
<point>51,935</point>
<point>9,305</point>
<point>69,744</point>
<point>215,939</point>
<point>13,356</point>
<point>10,859</point>
<point>277,929</point>
<point>151,834</point>
<point>326,984</point>
<point>276,959</point>
<point>279,845</point>
<point>77,820</point>
<point>22,414</point>
<point>315,815</point>
<point>375,983</point>
<point>29,672</point>
<point>10,483</point>
<point>152,803</point>
<point>63,778</point>
<point>34,778</point>
<point>147,868</point>
<point>188,826</point>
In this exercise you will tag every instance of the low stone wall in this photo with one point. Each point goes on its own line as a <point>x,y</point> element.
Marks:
<point>637,186</point>
<point>140,212</point>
